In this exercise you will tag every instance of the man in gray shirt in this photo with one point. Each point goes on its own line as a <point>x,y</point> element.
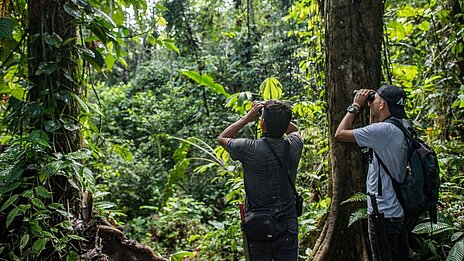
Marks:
<point>389,144</point>
<point>262,172</point>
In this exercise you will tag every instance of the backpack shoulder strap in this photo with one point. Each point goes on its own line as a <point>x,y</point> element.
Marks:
<point>410,135</point>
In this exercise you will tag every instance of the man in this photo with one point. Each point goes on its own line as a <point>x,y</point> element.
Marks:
<point>262,172</point>
<point>389,144</point>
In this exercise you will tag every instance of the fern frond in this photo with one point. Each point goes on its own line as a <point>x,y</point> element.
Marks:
<point>359,214</point>
<point>429,228</point>
<point>358,197</point>
<point>457,252</point>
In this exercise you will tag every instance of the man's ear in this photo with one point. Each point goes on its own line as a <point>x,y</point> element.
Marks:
<point>262,124</point>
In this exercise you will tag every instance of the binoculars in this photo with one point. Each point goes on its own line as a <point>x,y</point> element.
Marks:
<point>370,96</point>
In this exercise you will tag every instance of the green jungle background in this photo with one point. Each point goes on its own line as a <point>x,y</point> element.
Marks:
<point>160,80</point>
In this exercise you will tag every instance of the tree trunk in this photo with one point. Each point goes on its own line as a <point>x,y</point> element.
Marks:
<point>55,77</point>
<point>353,39</point>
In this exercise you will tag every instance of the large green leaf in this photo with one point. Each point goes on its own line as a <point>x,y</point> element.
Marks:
<point>6,28</point>
<point>192,75</point>
<point>12,215</point>
<point>39,245</point>
<point>457,252</point>
<point>10,201</point>
<point>96,60</point>
<point>429,228</point>
<point>271,88</point>
<point>52,39</point>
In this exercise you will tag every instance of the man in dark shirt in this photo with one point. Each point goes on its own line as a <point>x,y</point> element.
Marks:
<point>262,171</point>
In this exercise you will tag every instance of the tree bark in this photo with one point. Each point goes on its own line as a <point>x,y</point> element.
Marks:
<point>353,40</point>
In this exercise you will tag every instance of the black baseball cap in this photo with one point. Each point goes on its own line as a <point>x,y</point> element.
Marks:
<point>395,98</point>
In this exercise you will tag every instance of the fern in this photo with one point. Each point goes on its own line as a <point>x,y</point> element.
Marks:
<point>457,252</point>
<point>359,214</point>
<point>428,228</point>
<point>358,197</point>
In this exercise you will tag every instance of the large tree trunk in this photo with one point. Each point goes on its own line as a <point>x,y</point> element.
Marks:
<point>55,77</point>
<point>354,36</point>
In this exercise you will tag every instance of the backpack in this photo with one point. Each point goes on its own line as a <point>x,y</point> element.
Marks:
<point>418,192</point>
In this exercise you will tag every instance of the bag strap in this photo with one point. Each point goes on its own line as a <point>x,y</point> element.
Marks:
<point>395,183</point>
<point>283,166</point>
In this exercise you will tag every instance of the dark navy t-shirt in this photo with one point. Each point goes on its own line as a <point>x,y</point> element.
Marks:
<point>262,172</point>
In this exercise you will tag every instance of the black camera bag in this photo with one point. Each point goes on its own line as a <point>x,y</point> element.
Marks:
<point>263,225</point>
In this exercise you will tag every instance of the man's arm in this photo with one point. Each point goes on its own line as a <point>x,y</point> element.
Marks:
<point>232,131</point>
<point>344,131</point>
<point>292,129</point>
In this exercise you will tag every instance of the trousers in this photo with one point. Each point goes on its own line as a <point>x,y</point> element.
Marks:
<point>397,238</point>
<point>284,248</point>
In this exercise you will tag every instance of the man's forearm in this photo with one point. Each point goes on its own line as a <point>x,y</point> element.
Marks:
<point>291,128</point>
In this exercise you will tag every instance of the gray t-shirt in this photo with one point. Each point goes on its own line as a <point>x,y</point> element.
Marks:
<point>262,172</point>
<point>390,144</point>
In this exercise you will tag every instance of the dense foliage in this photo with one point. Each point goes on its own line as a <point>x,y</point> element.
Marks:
<point>163,78</point>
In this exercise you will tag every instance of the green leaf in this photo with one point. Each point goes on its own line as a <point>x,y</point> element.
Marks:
<point>457,236</point>
<point>15,173</point>
<point>96,60</point>
<point>429,228</point>
<point>122,151</point>
<point>52,39</point>
<point>50,169</point>
<point>109,61</point>
<point>424,26</point>
<point>73,10</point>
<point>39,245</point>
<point>28,194</point>
<point>23,241</point>
<point>52,125</point>
<point>104,205</point>
<point>179,256</point>
<point>358,197</point>
<point>70,124</point>
<point>10,201</point>
<point>36,110</point>
<point>81,154</point>
<point>38,203</point>
<point>271,89</point>
<point>9,187</point>
<point>457,252</point>
<point>172,47</point>
<point>12,215</point>
<point>72,256</point>
<point>192,75</point>
<point>47,68</point>
<point>81,103</point>
<point>359,214</point>
<point>64,96</point>
<point>6,28</point>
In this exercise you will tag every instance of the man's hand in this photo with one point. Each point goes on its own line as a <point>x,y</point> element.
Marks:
<point>232,131</point>
<point>360,99</point>
<point>253,113</point>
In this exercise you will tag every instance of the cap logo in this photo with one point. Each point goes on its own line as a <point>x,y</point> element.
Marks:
<point>402,101</point>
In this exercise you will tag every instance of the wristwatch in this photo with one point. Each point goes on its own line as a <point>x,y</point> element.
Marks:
<point>352,109</point>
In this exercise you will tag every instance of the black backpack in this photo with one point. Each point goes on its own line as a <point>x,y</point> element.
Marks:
<point>418,192</point>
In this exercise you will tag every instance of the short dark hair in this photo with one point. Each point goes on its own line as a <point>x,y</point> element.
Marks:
<point>277,115</point>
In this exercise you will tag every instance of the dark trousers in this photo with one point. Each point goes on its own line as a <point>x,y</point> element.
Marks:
<point>284,248</point>
<point>397,238</point>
